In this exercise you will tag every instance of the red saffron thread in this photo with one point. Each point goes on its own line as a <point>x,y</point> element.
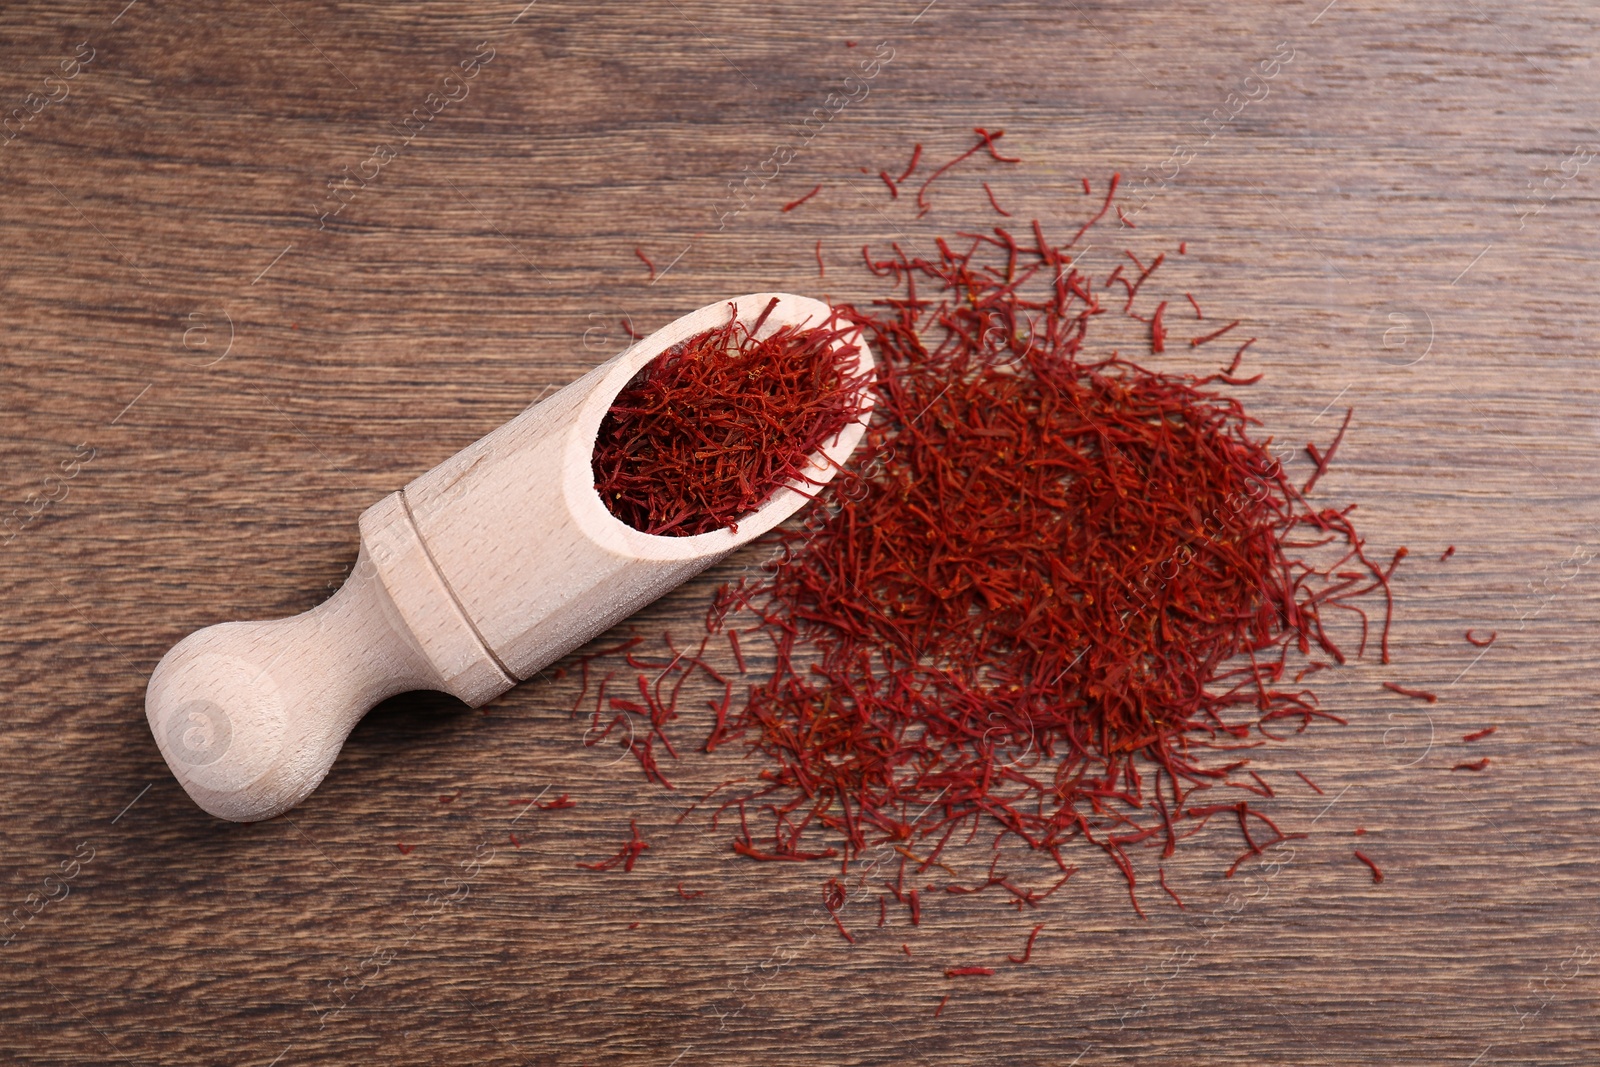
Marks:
<point>1312,784</point>
<point>1027,949</point>
<point>989,139</point>
<point>690,895</point>
<point>1476,765</point>
<point>1480,734</point>
<point>1190,296</point>
<point>646,261</point>
<point>985,140</point>
<point>1448,552</point>
<point>1481,644</point>
<point>940,1009</point>
<point>1161,876</point>
<point>1158,332</point>
<point>626,855</point>
<point>1414,694</point>
<point>995,203</point>
<point>894,190</point>
<point>1322,459</point>
<point>962,972</point>
<point>822,272</point>
<point>1213,335</point>
<point>1377,875</point>
<point>791,205</point>
<point>916,155</point>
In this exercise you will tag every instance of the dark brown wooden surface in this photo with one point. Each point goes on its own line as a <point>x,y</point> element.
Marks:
<point>1406,218</point>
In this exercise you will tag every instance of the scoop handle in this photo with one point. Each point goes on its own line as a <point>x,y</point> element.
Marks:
<point>481,571</point>
<point>251,715</point>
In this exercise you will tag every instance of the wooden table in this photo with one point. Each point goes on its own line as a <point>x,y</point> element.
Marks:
<point>254,276</point>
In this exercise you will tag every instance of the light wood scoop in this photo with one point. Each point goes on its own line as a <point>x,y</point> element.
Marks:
<point>473,577</point>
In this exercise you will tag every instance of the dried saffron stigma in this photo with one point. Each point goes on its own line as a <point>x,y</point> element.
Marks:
<point>1054,586</point>
<point>1057,598</point>
<point>712,427</point>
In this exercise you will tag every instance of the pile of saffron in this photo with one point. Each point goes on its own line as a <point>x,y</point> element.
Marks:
<point>1059,597</point>
<point>708,430</point>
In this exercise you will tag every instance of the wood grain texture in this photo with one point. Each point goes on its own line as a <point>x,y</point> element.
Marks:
<point>217,375</point>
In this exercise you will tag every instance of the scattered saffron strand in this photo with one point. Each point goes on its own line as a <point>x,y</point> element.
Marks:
<point>1312,784</point>
<point>1195,304</point>
<point>961,972</point>
<point>1183,248</point>
<point>894,190</point>
<point>562,801</point>
<point>1322,459</point>
<point>1161,876</point>
<point>1377,875</point>
<point>1480,734</point>
<point>626,855</point>
<point>627,325</point>
<point>1388,603</point>
<point>1124,219</point>
<point>1158,332</point>
<point>985,139</point>
<point>940,1009</point>
<point>688,895</point>
<point>842,931</point>
<point>1237,356</point>
<point>822,272</point>
<point>1213,335</point>
<point>1477,765</point>
<point>1414,694</point>
<point>906,949</point>
<point>738,653</point>
<point>916,155</point>
<point>405,849</point>
<point>989,139</point>
<point>1481,644</point>
<point>1027,950</point>
<point>1111,193</point>
<point>791,205</point>
<point>1448,552</point>
<point>1086,190</point>
<point>646,261</point>
<point>995,203</point>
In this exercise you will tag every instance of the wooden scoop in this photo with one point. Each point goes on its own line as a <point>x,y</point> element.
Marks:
<point>473,577</point>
